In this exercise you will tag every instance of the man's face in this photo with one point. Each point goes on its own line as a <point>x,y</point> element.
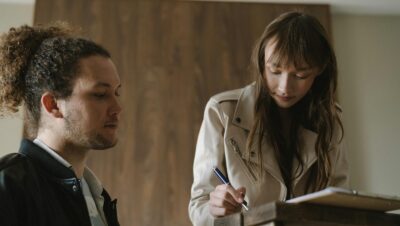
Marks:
<point>92,112</point>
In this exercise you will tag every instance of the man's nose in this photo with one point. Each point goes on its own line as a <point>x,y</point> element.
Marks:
<point>116,108</point>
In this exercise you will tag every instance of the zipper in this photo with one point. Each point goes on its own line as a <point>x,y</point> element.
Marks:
<point>236,148</point>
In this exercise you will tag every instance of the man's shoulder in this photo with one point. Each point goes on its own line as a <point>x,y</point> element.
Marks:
<point>14,166</point>
<point>11,160</point>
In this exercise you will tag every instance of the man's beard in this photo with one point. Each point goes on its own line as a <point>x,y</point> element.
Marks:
<point>89,140</point>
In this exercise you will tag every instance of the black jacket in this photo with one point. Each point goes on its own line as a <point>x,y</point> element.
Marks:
<point>35,189</point>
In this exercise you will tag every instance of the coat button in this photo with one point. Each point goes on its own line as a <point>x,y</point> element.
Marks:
<point>74,188</point>
<point>238,119</point>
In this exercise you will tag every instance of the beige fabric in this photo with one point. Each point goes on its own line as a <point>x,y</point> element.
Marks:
<point>222,143</point>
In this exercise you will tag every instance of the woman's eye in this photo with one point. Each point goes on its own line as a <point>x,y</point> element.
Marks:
<point>275,72</point>
<point>301,76</point>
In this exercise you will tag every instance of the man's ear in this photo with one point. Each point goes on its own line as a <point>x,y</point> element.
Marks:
<point>49,103</point>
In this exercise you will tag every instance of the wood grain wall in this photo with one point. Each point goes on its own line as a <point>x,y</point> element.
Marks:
<point>172,56</point>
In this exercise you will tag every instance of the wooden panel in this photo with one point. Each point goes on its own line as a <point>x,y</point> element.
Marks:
<point>172,56</point>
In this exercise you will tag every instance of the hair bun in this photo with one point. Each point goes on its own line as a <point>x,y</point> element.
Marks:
<point>17,47</point>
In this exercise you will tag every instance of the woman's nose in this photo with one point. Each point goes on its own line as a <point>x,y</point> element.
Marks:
<point>284,84</point>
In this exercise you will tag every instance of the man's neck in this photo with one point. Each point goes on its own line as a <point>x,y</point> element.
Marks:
<point>73,155</point>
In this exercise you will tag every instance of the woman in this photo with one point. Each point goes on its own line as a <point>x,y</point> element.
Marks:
<point>277,138</point>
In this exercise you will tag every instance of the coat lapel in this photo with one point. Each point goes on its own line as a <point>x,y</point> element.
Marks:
<point>244,118</point>
<point>307,153</point>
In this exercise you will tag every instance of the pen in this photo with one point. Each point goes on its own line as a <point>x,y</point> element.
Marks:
<point>225,180</point>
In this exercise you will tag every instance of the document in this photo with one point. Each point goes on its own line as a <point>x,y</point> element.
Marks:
<point>342,197</point>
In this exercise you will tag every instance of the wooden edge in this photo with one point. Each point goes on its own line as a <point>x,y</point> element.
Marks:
<point>234,219</point>
<point>311,213</point>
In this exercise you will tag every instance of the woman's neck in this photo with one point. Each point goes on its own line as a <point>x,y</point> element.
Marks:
<point>286,121</point>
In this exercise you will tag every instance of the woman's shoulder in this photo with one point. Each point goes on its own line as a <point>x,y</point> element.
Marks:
<point>231,95</point>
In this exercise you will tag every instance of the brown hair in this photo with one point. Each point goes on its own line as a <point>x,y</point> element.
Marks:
<point>299,38</point>
<point>37,59</point>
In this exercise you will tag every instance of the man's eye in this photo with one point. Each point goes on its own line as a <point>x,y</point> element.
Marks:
<point>99,95</point>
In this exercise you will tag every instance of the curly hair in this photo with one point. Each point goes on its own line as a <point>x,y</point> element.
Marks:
<point>37,59</point>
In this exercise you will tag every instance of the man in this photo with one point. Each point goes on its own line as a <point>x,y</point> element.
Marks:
<point>70,88</point>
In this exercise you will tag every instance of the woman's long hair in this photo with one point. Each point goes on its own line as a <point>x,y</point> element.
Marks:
<point>299,39</point>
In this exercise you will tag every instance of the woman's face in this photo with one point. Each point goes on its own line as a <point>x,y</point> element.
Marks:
<point>287,84</point>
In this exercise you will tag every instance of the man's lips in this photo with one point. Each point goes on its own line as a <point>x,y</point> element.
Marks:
<point>111,124</point>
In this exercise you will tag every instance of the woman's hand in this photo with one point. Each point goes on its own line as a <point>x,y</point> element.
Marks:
<point>225,200</point>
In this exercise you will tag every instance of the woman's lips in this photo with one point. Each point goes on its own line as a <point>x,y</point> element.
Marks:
<point>285,98</point>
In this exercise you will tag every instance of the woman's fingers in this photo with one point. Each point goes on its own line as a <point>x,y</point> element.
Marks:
<point>222,198</point>
<point>242,192</point>
<point>225,200</point>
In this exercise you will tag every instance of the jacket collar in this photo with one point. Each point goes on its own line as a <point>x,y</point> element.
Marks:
<point>45,160</point>
<point>244,118</point>
<point>67,179</point>
<point>244,111</point>
<point>53,153</point>
<point>59,172</point>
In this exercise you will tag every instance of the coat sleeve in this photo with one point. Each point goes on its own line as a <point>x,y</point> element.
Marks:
<point>209,153</point>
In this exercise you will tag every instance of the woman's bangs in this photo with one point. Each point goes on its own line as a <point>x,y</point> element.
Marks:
<point>300,51</point>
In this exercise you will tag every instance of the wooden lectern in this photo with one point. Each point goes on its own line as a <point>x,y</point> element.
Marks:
<point>285,214</point>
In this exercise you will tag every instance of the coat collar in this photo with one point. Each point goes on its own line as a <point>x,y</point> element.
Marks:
<point>43,159</point>
<point>57,171</point>
<point>244,118</point>
<point>67,179</point>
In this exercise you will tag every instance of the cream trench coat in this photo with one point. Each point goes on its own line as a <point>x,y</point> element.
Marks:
<point>221,142</point>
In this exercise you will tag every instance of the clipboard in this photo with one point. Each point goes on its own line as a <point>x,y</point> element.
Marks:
<point>341,197</point>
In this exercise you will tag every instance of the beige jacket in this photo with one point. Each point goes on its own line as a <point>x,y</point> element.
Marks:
<point>221,142</point>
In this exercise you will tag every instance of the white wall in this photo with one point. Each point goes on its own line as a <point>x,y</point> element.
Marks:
<point>368,49</point>
<point>11,127</point>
